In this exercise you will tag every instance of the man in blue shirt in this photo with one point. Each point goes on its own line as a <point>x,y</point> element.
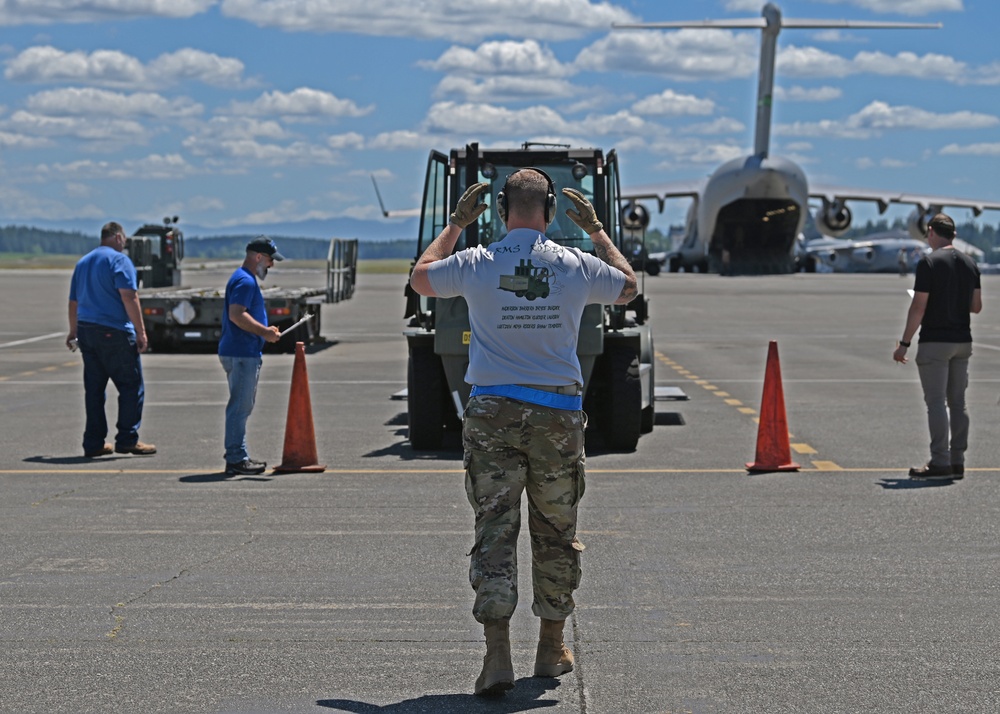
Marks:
<point>244,332</point>
<point>105,319</point>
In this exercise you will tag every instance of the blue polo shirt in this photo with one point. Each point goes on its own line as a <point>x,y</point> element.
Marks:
<point>97,278</point>
<point>242,289</point>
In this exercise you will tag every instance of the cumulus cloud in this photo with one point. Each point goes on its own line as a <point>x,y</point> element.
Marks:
<point>722,125</point>
<point>903,7</point>
<point>490,120</point>
<point>401,140</point>
<point>803,94</point>
<point>527,58</point>
<point>670,103</point>
<point>75,101</point>
<point>45,64</point>
<point>981,149</point>
<point>504,89</point>
<point>60,11</point>
<point>93,128</point>
<point>350,140</point>
<point>10,140</point>
<point>301,104</point>
<point>879,117</point>
<point>813,62</point>
<point>249,151</point>
<point>457,20</point>
<point>684,55</point>
<point>154,166</point>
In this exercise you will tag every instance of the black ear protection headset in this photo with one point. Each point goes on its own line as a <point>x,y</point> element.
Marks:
<point>550,198</point>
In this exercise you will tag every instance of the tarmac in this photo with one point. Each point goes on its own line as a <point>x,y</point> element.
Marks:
<point>156,584</point>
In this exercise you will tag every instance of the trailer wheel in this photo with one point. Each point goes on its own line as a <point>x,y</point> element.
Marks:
<point>622,398</point>
<point>425,400</point>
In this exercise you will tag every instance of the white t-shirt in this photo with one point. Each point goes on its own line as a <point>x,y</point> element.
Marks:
<point>526,296</point>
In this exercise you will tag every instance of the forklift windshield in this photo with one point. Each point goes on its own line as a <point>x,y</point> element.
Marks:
<point>562,229</point>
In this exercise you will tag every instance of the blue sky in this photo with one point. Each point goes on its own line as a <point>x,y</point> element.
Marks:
<point>235,112</point>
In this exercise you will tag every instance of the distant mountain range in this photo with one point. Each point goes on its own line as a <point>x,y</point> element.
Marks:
<point>364,230</point>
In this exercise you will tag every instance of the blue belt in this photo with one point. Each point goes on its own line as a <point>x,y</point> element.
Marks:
<point>569,402</point>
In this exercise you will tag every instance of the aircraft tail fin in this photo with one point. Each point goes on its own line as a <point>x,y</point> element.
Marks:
<point>770,24</point>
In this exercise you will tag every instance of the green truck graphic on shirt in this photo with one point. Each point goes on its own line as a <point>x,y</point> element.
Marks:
<point>528,281</point>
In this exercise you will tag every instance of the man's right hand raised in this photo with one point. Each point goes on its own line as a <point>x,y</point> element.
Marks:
<point>468,208</point>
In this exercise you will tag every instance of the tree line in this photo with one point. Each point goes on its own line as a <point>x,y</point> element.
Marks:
<point>37,241</point>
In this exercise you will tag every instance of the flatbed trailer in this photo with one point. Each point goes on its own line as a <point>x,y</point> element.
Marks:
<point>182,318</point>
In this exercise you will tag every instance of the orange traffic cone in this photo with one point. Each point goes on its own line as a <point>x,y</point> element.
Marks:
<point>773,450</point>
<point>300,437</point>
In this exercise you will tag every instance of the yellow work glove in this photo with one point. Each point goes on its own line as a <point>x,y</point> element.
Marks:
<point>584,216</point>
<point>468,210</point>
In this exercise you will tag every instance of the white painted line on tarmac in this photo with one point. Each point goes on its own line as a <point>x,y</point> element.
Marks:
<point>32,339</point>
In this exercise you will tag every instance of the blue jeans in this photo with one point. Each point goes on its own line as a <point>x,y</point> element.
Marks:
<point>242,373</point>
<point>110,354</point>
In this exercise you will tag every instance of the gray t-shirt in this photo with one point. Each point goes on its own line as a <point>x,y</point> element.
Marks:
<point>526,296</point>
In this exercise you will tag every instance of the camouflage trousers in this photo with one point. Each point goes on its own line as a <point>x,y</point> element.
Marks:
<point>510,447</point>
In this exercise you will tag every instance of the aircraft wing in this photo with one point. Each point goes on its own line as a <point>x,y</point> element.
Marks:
<point>841,194</point>
<point>663,191</point>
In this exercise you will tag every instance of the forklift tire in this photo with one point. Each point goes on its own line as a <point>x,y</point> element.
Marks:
<point>622,398</point>
<point>649,413</point>
<point>425,398</point>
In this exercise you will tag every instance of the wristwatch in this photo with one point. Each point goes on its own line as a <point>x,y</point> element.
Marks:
<point>904,344</point>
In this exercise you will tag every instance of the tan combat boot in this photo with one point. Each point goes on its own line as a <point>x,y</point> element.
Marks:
<point>553,657</point>
<point>498,672</point>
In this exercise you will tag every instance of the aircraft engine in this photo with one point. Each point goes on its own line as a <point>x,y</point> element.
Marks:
<point>834,219</point>
<point>863,255</point>
<point>916,222</point>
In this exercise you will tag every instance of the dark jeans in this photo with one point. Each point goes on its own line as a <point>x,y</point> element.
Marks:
<point>110,354</point>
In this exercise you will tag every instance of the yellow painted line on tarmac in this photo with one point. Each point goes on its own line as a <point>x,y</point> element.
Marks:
<point>721,394</point>
<point>828,466</point>
<point>734,402</point>
<point>803,449</point>
<point>747,410</point>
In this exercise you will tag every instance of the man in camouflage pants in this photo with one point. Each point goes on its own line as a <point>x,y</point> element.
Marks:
<point>524,423</point>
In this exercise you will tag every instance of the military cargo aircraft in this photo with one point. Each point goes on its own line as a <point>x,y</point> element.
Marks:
<point>745,217</point>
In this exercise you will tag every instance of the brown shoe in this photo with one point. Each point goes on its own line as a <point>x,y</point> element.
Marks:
<point>103,451</point>
<point>138,448</point>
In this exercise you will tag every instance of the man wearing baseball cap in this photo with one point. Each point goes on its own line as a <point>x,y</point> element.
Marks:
<point>945,292</point>
<point>244,332</point>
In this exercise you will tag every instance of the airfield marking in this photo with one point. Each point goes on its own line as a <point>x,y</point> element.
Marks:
<point>706,384</point>
<point>818,467</point>
<point>32,339</point>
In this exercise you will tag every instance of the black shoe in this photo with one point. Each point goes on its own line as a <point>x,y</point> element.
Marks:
<point>932,472</point>
<point>958,471</point>
<point>246,467</point>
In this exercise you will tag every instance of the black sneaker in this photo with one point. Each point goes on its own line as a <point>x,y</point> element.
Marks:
<point>958,471</point>
<point>932,472</point>
<point>246,467</point>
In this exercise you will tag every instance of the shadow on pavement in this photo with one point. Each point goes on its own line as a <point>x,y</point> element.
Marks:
<point>524,697</point>
<point>74,460</point>
<point>900,484</point>
<point>220,476</point>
